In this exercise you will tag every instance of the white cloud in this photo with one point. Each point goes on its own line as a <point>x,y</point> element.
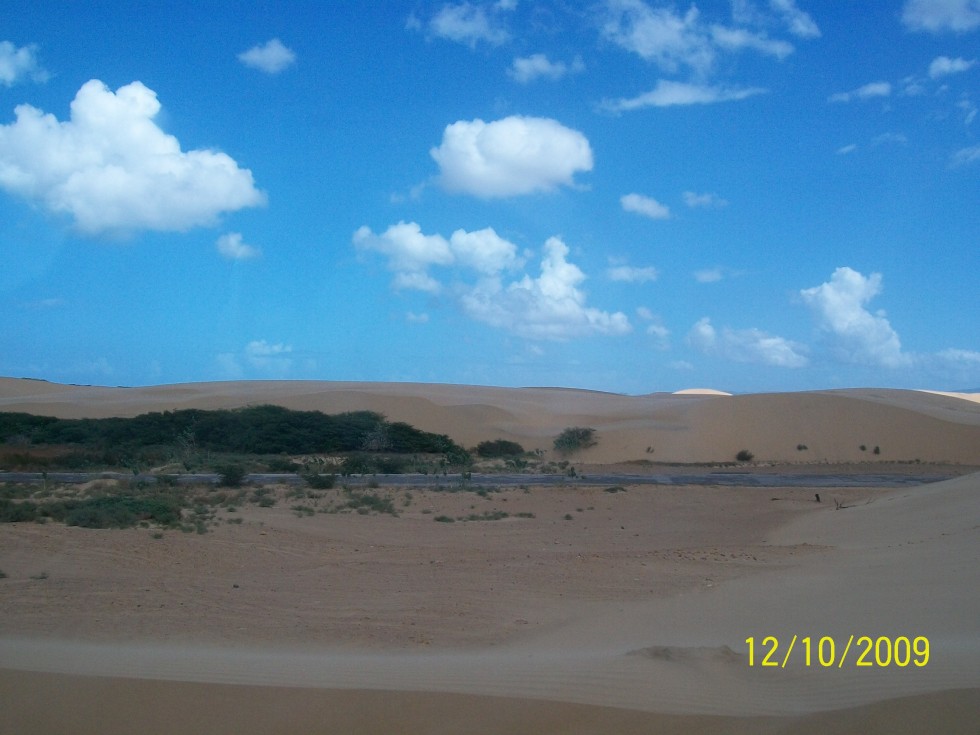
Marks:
<point>859,336</point>
<point>411,253</point>
<point>965,156</point>
<point>526,69</point>
<point>269,358</point>
<point>659,35</point>
<point>509,157</point>
<point>746,345</point>
<point>707,200</point>
<point>551,306</point>
<point>675,41</point>
<point>849,148</point>
<point>736,39</point>
<point>647,206</point>
<point>943,66</point>
<point>632,274</point>
<point>708,275</point>
<point>412,318</point>
<point>866,92</point>
<point>271,57</point>
<point>484,251</point>
<point>798,23</point>
<point>18,64</point>
<point>941,15</point>
<point>669,94</point>
<point>113,170</point>
<point>889,138</point>
<point>468,24</point>
<point>230,245</point>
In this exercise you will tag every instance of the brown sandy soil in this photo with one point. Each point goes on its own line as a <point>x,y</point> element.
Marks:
<point>629,615</point>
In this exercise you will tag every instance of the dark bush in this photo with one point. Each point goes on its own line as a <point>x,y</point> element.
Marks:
<point>499,448</point>
<point>574,439</point>
<point>744,455</point>
<point>231,475</point>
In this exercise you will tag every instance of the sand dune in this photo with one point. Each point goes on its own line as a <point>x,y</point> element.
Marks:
<point>597,612</point>
<point>833,426</point>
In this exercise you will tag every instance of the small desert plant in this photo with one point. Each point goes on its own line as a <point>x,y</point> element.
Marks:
<point>3,574</point>
<point>744,455</point>
<point>801,447</point>
<point>615,489</point>
<point>575,438</point>
<point>231,475</point>
<point>444,519</point>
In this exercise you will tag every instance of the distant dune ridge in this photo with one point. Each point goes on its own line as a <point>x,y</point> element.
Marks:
<point>697,425</point>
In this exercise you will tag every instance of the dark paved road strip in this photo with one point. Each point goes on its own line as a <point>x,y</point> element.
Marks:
<point>723,479</point>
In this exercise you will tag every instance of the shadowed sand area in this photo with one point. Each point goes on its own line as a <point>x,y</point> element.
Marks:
<point>596,612</point>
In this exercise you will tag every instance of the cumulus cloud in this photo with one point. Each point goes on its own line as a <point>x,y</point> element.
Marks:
<point>113,170</point>
<point>411,253</point>
<point>468,24</point>
<point>746,345</point>
<point>943,66</point>
<point>866,92</point>
<point>708,200</point>
<point>18,64</point>
<point>271,57</point>
<point>936,16</point>
<point>857,335</point>
<point>231,246</point>
<point>644,205</point>
<point>737,39</point>
<point>551,306</point>
<point>526,69</point>
<point>668,93</point>
<point>509,157</point>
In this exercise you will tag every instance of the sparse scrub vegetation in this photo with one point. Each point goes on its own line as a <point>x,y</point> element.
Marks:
<point>574,439</point>
<point>744,455</point>
<point>499,448</point>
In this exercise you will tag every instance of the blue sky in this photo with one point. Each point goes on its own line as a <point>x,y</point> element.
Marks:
<point>621,195</point>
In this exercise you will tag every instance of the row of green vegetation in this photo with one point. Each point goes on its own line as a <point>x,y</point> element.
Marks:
<point>251,430</point>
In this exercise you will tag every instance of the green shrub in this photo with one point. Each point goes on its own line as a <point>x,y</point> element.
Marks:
<point>320,482</point>
<point>499,448</point>
<point>231,475</point>
<point>575,438</point>
<point>744,455</point>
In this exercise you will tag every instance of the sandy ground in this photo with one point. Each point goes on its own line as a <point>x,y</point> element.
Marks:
<point>596,612</point>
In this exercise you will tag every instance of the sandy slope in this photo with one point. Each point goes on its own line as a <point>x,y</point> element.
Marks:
<point>699,427</point>
<point>630,616</point>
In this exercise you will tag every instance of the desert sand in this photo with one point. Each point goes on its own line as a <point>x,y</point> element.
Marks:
<point>594,612</point>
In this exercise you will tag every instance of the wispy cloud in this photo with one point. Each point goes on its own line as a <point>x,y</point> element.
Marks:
<point>943,66</point>
<point>707,200</point>
<point>746,345</point>
<point>965,156</point>
<point>936,16</point>
<point>20,64</point>
<point>526,69</point>
<point>231,246</point>
<point>468,24</point>
<point>669,93</point>
<point>271,57</point>
<point>644,205</point>
<point>868,91</point>
<point>631,274</point>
